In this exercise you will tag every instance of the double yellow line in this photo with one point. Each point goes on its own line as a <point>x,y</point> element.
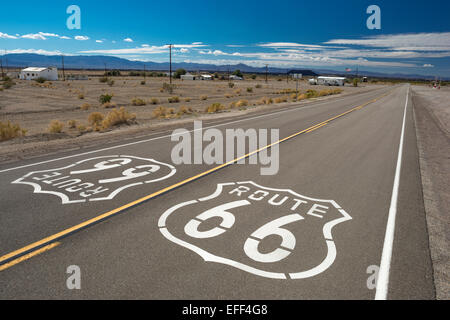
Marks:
<point>50,242</point>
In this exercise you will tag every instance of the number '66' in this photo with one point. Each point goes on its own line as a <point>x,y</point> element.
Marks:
<point>251,244</point>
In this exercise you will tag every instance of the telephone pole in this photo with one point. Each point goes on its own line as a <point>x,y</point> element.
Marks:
<point>1,66</point>
<point>170,63</point>
<point>144,74</point>
<point>267,71</point>
<point>64,74</point>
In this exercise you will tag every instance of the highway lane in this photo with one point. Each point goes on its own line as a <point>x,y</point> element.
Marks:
<point>351,161</point>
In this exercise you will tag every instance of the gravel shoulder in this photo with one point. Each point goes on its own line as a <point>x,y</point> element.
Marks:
<point>432,116</point>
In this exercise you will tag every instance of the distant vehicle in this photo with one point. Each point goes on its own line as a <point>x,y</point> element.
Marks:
<point>364,79</point>
<point>328,81</point>
<point>234,77</point>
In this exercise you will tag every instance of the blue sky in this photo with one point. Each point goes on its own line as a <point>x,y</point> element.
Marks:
<point>414,35</point>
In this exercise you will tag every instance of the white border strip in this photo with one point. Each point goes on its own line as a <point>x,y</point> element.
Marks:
<point>385,265</point>
<point>294,108</point>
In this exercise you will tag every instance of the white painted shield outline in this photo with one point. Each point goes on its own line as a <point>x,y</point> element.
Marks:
<point>65,199</point>
<point>208,257</point>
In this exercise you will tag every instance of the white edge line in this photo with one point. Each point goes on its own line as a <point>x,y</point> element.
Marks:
<point>385,264</point>
<point>169,135</point>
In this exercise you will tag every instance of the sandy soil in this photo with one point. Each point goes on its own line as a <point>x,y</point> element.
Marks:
<point>33,107</point>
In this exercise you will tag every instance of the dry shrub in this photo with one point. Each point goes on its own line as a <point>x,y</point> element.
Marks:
<point>159,112</point>
<point>238,92</point>
<point>187,99</point>
<point>281,100</point>
<point>10,131</point>
<point>95,118</point>
<point>117,117</point>
<point>81,128</point>
<point>72,124</point>
<point>337,91</point>
<point>184,110</point>
<point>294,96</point>
<point>80,96</point>
<point>250,90</point>
<point>241,103</point>
<point>228,95</point>
<point>204,97</point>
<point>311,94</point>
<point>85,106</point>
<point>138,102</point>
<point>109,105</point>
<point>55,126</point>
<point>174,99</point>
<point>154,101</point>
<point>215,107</point>
<point>258,86</point>
<point>301,97</point>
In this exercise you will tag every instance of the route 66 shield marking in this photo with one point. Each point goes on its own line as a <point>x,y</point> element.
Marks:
<point>241,225</point>
<point>97,179</point>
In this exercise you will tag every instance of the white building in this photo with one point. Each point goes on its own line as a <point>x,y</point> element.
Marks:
<point>331,81</point>
<point>32,73</point>
<point>188,76</point>
<point>206,77</point>
<point>235,77</point>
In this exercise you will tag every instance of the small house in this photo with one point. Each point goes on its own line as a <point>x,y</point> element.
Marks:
<point>32,73</point>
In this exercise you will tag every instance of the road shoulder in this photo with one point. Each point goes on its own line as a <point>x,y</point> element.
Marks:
<point>434,145</point>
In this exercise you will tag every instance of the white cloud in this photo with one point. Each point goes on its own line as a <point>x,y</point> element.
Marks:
<point>141,50</point>
<point>34,36</point>
<point>146,45</point>
<point>7,36</point>
<point>64,37</point>
<point>184,50</point>
<point>99,41</point>
<point>427,65</point>
<point>38,51</point>
<point>44,34</point>
<point>81,38</point>
<point>128,40</point>
<point>417,41</point>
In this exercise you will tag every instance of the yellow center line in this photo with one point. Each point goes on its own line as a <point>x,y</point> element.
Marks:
<point>24,253</point>
<point>29,255</point>
<point>316,128</point>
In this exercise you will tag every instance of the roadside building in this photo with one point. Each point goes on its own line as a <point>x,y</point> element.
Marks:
<point>188,76</point>
<point>206,77</point>
<point>331,81</point>
<point>32,73</point>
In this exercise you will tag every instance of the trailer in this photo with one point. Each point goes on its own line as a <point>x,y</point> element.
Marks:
<point>331,81</point>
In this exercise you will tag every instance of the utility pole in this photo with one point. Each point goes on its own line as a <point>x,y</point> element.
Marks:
<point>267,71</point>
<point>64,74</point>
<point>145,74</point>
<point>170,67</point>
<point>1,66</point>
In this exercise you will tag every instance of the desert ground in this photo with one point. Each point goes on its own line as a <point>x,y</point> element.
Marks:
<point>33,106</point>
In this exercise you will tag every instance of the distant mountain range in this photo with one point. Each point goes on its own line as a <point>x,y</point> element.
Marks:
<point>108,62</point>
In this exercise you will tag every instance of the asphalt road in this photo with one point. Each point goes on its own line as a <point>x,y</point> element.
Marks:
<point>315,230</point>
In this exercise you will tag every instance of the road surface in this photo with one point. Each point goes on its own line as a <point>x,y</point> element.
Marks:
<point>318,229</point>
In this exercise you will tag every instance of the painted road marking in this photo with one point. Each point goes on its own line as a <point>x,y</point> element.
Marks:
<point>234,200</point>
<point>170,135</point>
<point>385,265</point>
<point>95,179</point>
<point>29,255</point>
<point>60,235</point>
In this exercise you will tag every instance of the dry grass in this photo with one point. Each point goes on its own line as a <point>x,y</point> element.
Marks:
<point>154,101</point>
<point>10,131</point>
<point>81,96</point>
<point>174,99</point>
<point>72,124</point>
<point>109,105</point>
<point>241,103</point>
<point>159,112</point>
<point>281,99</point>
<point>117,117</point>
<point>204,97</point>
<point>215,107</point>
<point>55,126</point>
<point>265,100</point>
<point>187,99</point>
<point>95,118</point>
<point>85,106</point>
<point>184,110</point>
